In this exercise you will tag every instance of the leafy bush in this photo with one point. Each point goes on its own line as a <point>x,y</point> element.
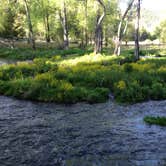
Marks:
<point>128,68</point>
<point>98,95</point>
<point>158,91</point>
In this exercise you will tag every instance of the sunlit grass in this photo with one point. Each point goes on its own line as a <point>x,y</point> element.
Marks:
<point>87,59</point>
<point>71,78</point>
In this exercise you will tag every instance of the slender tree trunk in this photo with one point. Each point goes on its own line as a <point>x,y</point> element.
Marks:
<point>120,31</point>
<point>63,18</point>
<point>46,20</point>
<point>86,19</point>
<point>47,27</point>
<point>106,38</point>
<point>137,31</point>
<point>82,44</point>
<point>31,35</point>
<point>98,29</point>
<point>98,39</point>
<point>118,40</point>
<point>66,39</point>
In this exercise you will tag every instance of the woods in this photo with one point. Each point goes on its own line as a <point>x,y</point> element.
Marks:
<point>84,50</point>
<point>89,23</point>
<point>64,22</point>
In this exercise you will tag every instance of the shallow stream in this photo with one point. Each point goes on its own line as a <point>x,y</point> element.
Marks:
<point>40,134</point>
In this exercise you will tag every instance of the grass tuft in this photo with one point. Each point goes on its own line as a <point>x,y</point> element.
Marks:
<point>155,120</point>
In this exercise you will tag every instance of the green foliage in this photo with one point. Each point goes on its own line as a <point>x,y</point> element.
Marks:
<point>29,54</point>
<point>145,35</point>
<point>161,31</point>
<point>46,88</point>
<point>98,95</point>
<point>70,79</point>
<point>158,91</point>
<point>128,68</point>
<point>155,120</point>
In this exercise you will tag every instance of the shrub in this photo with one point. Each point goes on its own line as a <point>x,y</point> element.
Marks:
<point>129,92</point>
<point>98,95</point>
<point>17,88</point>
<point>158,91</point>
<point>128,68</point>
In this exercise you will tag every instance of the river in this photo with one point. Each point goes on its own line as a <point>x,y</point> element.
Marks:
<point>40,134</point>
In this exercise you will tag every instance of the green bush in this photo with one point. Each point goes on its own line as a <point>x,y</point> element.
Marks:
<point>128,68</point>
<point>158,91</point>
<point>128,92</point>
<point>98,95</point>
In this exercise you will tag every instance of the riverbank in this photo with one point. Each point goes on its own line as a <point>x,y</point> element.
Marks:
<point>85,78</point>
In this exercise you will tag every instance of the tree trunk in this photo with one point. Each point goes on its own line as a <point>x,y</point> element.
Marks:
<point>98,39</point>
<point>98,30</point>
<point>105,36</point>
<point>120,31</point>
<point>137,31</point>
<point>63,18</point>
<point>86,19</point>
<point>31,35</point>
<point>46,20</point>
<point>118,40</point>
<point>47,27</point>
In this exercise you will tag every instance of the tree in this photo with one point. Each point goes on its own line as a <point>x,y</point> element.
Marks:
<point>46,16</point>
<point>63,19</point>
<point>98,29</point>
<point>7,19</point>
<point>121,31</point>
<point>144,35</point>
<point>86,19</point>
<point>129,35</point>
<point>110,22</point>
<point>30,28</point>
<point>160,31</point>
<point>137,21</point>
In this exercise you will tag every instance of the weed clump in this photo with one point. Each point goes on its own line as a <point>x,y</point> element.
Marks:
<point>155,120</point>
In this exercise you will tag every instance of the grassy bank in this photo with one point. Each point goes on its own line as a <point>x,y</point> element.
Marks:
<point>76,78</point>
<point>29,54</point>
<point>155,120</point>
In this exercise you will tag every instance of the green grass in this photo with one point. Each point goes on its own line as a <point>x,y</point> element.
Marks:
<point>155,120</point>
<point>153,52</point>
<point>29,54</point>
<point>90,78</point>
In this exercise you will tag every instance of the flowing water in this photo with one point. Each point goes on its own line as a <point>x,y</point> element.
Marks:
<point>40,134</point>
<point>6,61</point>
